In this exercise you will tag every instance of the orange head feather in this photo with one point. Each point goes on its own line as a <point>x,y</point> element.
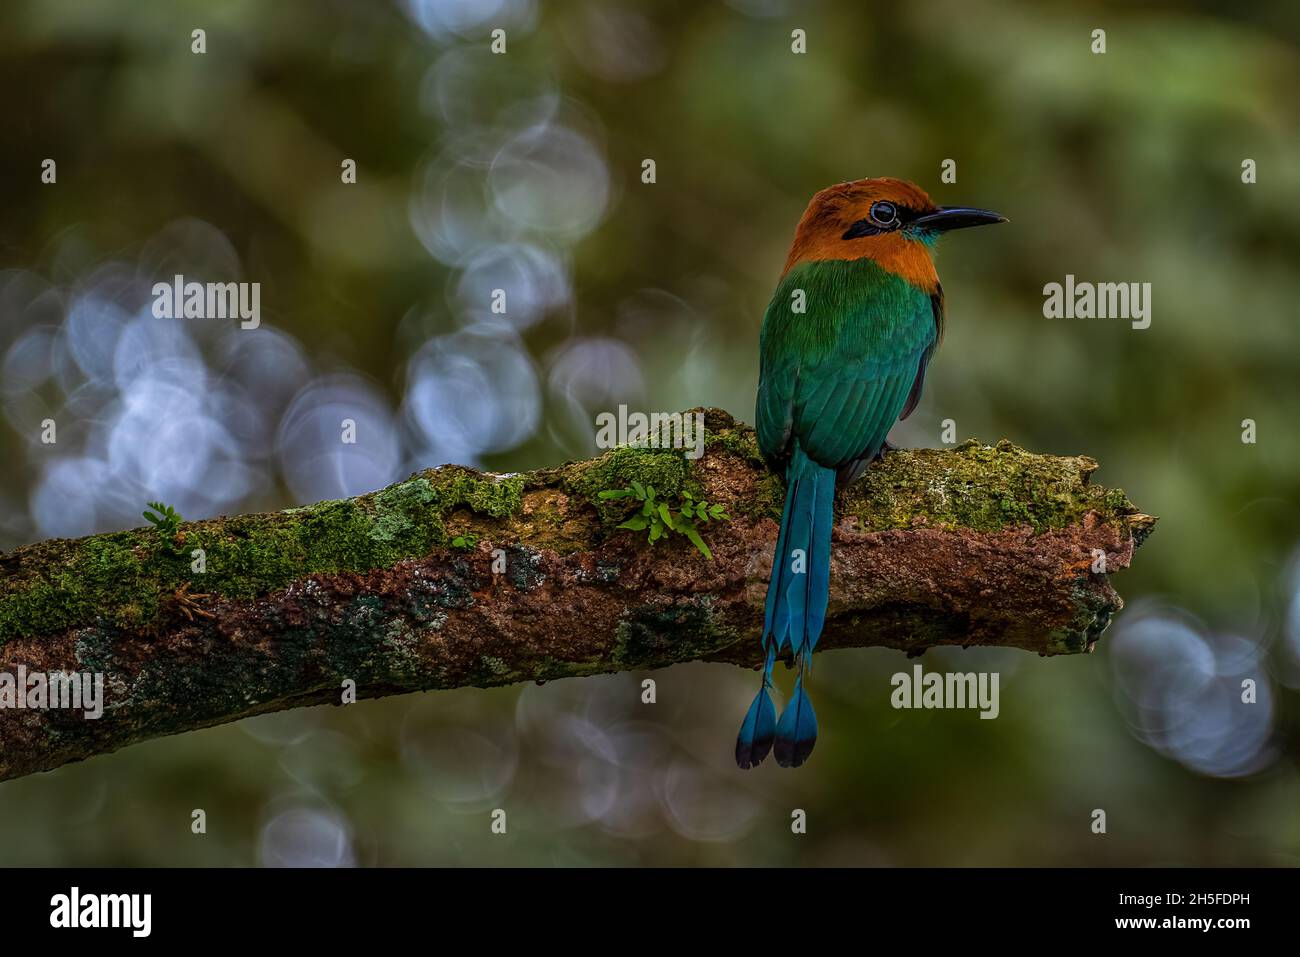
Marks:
<point>839,224</point>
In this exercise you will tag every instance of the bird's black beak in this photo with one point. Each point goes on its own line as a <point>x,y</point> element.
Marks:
<point>956,217</point>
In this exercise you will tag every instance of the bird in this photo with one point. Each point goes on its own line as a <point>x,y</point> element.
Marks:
<point>843,352</point>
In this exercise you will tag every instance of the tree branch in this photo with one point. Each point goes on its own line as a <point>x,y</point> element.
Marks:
<point>396,589</point>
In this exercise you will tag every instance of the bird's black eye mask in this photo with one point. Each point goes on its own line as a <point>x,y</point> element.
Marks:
<point>926,226</point>
<point>884,217</point>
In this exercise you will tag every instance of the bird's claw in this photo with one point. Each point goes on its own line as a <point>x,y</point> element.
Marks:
<point>887,447</point>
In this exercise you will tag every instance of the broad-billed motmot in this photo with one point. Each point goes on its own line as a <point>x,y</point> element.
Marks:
<point>843,352</point>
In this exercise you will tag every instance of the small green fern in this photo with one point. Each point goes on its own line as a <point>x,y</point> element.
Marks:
<point>167,522</point>
<point>659,520</point>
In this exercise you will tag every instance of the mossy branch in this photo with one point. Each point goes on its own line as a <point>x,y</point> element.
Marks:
<point>456,577</point>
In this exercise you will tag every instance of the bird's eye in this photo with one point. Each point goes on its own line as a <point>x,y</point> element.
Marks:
<point>884,214</point>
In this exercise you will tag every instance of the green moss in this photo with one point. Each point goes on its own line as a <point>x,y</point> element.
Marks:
<point>492,671</point>
<point>981,487</point>
<point>497,496</point>
<point>122,578</point>
<point>395,509</point>
<point>665,469</point>
<point>740,442</point>
<point>768,500</point>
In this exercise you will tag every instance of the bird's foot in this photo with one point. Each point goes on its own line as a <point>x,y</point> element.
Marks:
<point>887,447</point>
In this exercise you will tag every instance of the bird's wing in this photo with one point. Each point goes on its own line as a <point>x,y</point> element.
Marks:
<point>913,397</point>
<point>774,417</point>
<point>848,408</point>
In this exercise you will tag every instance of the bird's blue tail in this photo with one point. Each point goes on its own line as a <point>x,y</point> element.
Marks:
<point>796,609</point>
<point>759,729</point>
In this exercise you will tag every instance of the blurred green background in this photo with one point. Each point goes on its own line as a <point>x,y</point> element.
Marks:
<point>522,171</point>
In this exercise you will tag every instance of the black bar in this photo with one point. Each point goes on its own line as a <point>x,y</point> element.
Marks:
<point>303,907</point>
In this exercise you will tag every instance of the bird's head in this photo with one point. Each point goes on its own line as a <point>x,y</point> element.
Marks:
<point>890,221</point>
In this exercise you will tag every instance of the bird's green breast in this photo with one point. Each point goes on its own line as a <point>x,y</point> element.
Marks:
<point>850,308</point>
